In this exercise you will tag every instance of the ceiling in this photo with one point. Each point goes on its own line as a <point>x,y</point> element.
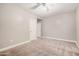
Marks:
<point>53,8</point>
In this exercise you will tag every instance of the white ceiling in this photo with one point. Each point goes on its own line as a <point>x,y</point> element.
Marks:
<point>53,8</point>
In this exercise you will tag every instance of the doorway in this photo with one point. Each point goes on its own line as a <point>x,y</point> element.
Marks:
<point>39,28</point>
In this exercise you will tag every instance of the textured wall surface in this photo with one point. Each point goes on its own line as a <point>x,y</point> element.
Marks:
<point>14,25</point>
<point>60,26</point>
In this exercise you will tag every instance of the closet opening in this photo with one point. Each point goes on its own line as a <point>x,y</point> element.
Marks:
<point>39,28</point>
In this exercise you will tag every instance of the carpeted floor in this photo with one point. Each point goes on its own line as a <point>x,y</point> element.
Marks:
<point>44,47</point>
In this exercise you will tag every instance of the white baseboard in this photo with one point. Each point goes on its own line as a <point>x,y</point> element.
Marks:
<point>47,37</point>
<point>12,46</point>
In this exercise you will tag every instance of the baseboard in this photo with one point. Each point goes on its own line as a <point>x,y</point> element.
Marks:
<point>12,46</point>
<point>47,37</point>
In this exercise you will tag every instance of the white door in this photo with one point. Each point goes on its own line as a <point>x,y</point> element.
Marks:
<point>32,28</point>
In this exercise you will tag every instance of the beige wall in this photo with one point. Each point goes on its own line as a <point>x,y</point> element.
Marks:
<point>14,26</point>
<point>77,23</point>
<point>60,26</point>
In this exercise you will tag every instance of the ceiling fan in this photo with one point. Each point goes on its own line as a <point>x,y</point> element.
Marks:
<point>39,4</point>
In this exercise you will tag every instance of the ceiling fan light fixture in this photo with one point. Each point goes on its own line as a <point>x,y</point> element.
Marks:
<point>44,4</point>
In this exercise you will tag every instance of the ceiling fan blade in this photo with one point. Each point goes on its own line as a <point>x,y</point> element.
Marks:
<point>45,5</point>
<point>38,4</point>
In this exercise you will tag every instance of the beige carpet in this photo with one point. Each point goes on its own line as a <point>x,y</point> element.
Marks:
<point>44,47</point>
